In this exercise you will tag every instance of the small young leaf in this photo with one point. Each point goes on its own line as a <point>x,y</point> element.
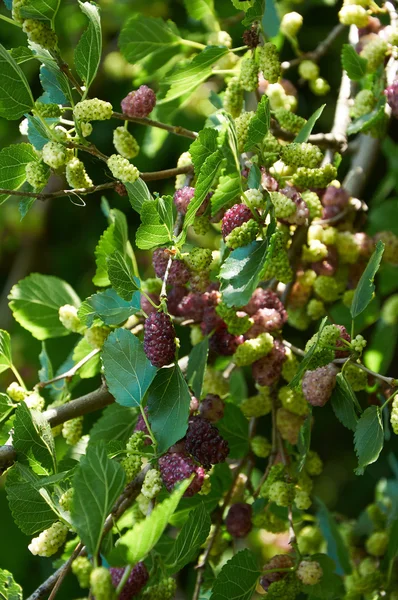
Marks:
<point>204,145</point>
<point>21,54</point>
<point>197,366</point>
<point>35,302</point>
<point>238,578</point>
<point>92,367</point>
<point>115,237</point>
<point>97,483</point>
<point>306,130</point>
<point>192,535</point>
<point>120,273</point>
<point>259,124</point>
<point>367,122</point>
<point>255,13</point>
<point>365,288</point>
<point>115,424</point>
<point>153,231</point>
<point>138,194</point>
<point>15,96</point>
<point>5,351</point>
<point>353,64</point>
<point>336,547</point>
<point>254,178</point>
<point>368,438</point>
<point>34,441</point>
<point>139,541</point>
<point>9,589</point>
<point>228,189</point>
<point>168,406</point>
<point>107,306</point>
<point>88,50</point>
<point>127,370</point>
<point>234,428</point>
<point>342,404</point>
<point>13,161</point>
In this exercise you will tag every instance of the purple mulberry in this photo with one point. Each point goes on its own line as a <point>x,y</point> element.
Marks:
<point>302,213</point>
<point>183,197</point>
<point>318,385</point>
<point>212,408</point>
<point>210,320</point>
<point>346,336</point>
<point>391,94</point>
<point>136,581</point>
<point>159,339</point>
<point>239,520</point>
<point>235,217</point>
<point>191,307</point>
<point>265,299</point>
<point>268,369</point>
<point>265,321</point>
<point>139,103</point>
<point>175,467</point>
<point>174,297</point>
<point>224,343</point>
<point>334,196</point>
<point>279,561</point>
<point>178,273</point>
<point>205,443</point>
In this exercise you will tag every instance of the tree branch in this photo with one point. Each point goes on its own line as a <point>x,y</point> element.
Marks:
<point>71,372</point>
<point>176,129</point>
<point>319,51</point>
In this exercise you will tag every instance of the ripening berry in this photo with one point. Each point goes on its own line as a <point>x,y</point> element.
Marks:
<point>293,400</point>
<point>178,273</point>
<point>242,129</point>
<point>96,335</point>
<point>175,467</point>
<point>50,540</point>
<point>289,121</point>
<point>291,24</point>
<point>36,174</point>
<point>318,385</point>
<point>316,309</point>
<point>374,52</point>
<point>139,103</point>
<point>204,442</point>
<point>352,14</point>
<point>182,198</point>
<point>152,484</point>
<point>265,320</point>
<point>164,590</point>
<point>212,408</point>
<point>34,401</point>
<point>159,339</point>
<point>317,178</point>
<point>267,369</point>
<point>301,155</point>
<point>268,57</point>
<point>326,288</point>
<point>138,577</point>
<point>249,74</point>
<point>265,298</point>
<point>125,143</point>
<point>302,500</point>
<point>55,155</point>
<point>254,349</point>
<point>122,169</point>
<point>92,110</point>
<point>81,568</point>
<point>76,175</point>
<point>40,33</point>
<point>319,86</point>
<point>199,259</point>
<point>309,572</point>
<point>308,70</point>
<point>16,392</point>
<point>185,160</point>
<point>257,406</point>
<point>391,93</point>
<point>281,493</point>
<point>313,463</point>
<point>235,217</point>
<point>72,430</point>
<point>66,499</point>
<point>288,425</point>
<point>101,584</point>
<point>233,97</point>
<point>290,365</point>
<point>279,561</point>
<point>364,103</point>
<point>394,415</point>
<point>376,544</point>
<point>238,521</point>
<point>260,446</point>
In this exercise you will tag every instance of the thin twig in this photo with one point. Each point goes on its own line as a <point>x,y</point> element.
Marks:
<point>65,570</point>
<point>319,51</point>
<point>323,140</point>
<point>71,372</point>
<point>176,129</point>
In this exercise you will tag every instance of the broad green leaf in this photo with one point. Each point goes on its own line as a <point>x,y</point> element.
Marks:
<point>367,122</point>
<point>365,288</point>
<point>234,428</point>
<point>197,365</point>
<point>55,83</point>
<point>168,407</point>
<point>21,54</point>
<point>97,483</point>
<point>5,351</point>
<point>38,135</point>
<point>120,273</point>
<point>229,188</point>
<point>238,389</point>
<point>30,504</point>
<point>144,37</point>
<point>353,64</point>
<point>342,404</point>
<point>13,161</point>
<point>35,302</point>
<point>92,367</point>
<point>303,366</point>
<point>127,370</point>
<point>306,130</point>
<point>254,178</point>
<point>238,578</point>
<point>9,589</point>
<point>304,441</point>
<point>204,145</point>
<point>136,544</point>
<point>255,13</point>
<point>115,237</point>
<point>368,438</point>
<point>259,124</point>
<point>15,96</point>
<point>270,20</point>
<point>88,50</point>
<point>336,547</point>
<point>200,9</point>
<point>107,306</point>
<point>6,406</point>
<point>138,194</point>
<point>42,10</point>
<point>116,423</point>
<point>191,537</point>
<point>153,231</point>
<point>34,441</point>
<point>330,586</point>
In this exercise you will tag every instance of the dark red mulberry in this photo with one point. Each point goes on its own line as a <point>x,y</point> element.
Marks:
<point>174,297</point>
<point>212,408</point>
<point>159,339</point>
<point>235,217</point>
<point>224,343</point>
<point>136,581</point>
<point>334,196</point>
<point>267,370</point>
<point>239,520</point>
<point>329,265</point>
<point>210,320</point>
<point>265,299</point>
<point>146,306</point>
<point>191,307</point>
<point>175,467</point>
<point>265,321</point>
<point>205,443</point>
<point>391,94</point>
<point>329,212</point>
<point>346,336</point>
<point>268,182</point>
<point>178,273</point>
<point>279,561</point>
<point>139,103</point>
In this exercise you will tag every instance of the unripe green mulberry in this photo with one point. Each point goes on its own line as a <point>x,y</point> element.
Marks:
<point>233,97</point>
<point>66,499</point>
<point>301,155</point>
<point>316,309</point>
<point>289,121</point>
<point>284,206</point>
<point>309,572</point>
<point>242,235</point>
<point>55,155</point>
<point>356,377</point>
<point>61,135</point>
<point>249,74</point>
<point>328,337</point>
<point>16,392</point>
<point>220,38</point>
<point>254,198</point>
<point>164,590</point>
<point>291,24</point>
<point>302,500</point>
<point>394,415</point>
<point>309,539</point>
<point>72,430</point>
<point>288,425</point>
<point>201,225</point>
<point>92,110</point>
<point>270,522</point>
<point>313,463</point>
<point>268,57</point>
<point>364,103</point>
<point>353,14</point>
<point>48,111</point>
<point>242,128</point>
<point>374,52</point>
<point>16,10</point>
<point>199,259</point>
<point>276,473</point>
<point>290,365</point>
<point>101,584</point>
<point>40,33</point>
<point>377,516</point>
<point>34,401</point>
<point>318,178</point>
<point>36,174</point>
<point>298,318</point>
<point>81,568</point>
<point>125,143</point>
<point>347,247</point>
<point>152,484</point>
<point>184,160</point>
<point>50,540</point>
<point>314,252</point>
<point>68,316</point>
<point>236,325</point>
<point>215,383</point>
<point>122,169</point>
<point>326,288</point>
<point>319,86</point>
<point>271,144</point>
<point>257,406</point>
<point>76,174</point>
<point>376,544</point>
<point>135,443</point>
<point>86,129</point>
<point>252,350</point>
<point>278,98</point>
<point>132,466</point>
<point>96,336</point>
<point>293,400</point>
<point>313,203</point>
<point>308,70</point>
<point>281,493</point>
<point>260,446</point>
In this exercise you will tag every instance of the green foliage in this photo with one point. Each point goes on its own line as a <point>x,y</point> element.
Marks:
<point>15,95</point>
<point>238,578</point>
<point>336,547</point>
<point>88,51</point>
<point>365,288</point>
<point>34,442</point>
<point>5,351</point>
<point>123,281</point>
<point>306,130</point>
<point>235,429</point>
<point>369,438</point>
<point>259,125</point>
<point>191,537</point>
<point>353,64</point>
<point>107,306</point>
<point>342,403</point>
<point>9,589</point>
<point>13,161</point>
<point>197,366</point>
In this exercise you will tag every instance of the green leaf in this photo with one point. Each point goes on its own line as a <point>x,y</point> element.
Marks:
<point>41,10</point>
<point>234,428</point>
<point>228,189</point>
<point>204,145</point>
<point>259,124</point>
<point>237,579</point>
<point>367,122</point>
<point>368,438</point>
<point>21,54</point>
<point>46,371</point>
<point>306,130</point>
<point>153,231</point>
<point>197,365</point>
<point>254,178</point>
<point>168,407</point>
<point>139,541</point>
<point>97,483</point>
<point>33,440</point>
<point>303,366</point>
<point>115,237</point>
<point>392,548</point>
<point>88,50</point>
<point>270,21</point>
<point>9,589</point>
<point>243,4</point>
<point>255,13</point>
<point>15,96</point>
<point>35,302</point>
<point>128,372</point>
<point>120,273</point>
<point>191,537</point>
<point>200,9</point>
<point>30,504</point>
<point>107,306</point>
<point>115,424</point>
<point>353,64</point>
<point>5,351</point>
<point>92,367</point>
<point>304,441</point>
<point>54,82</point>
<point>330,586</point>
<point>38,135</point>
<point>336,547</point>
<point>381,348</point>
<point>138,194</point>
<point>142,38</point>
<point>13,161</point>
<point>6,406</point>
<point>365,288</point>
<point>342,404</point>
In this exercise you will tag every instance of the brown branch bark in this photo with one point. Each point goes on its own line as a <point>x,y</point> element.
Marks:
<point>176,129</point>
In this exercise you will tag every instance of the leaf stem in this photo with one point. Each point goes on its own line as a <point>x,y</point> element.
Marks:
<point>18,376</point>
<point>10,21</point>
<point>192,44</point>
<point>150,433</point>
<point>72,371</point>
<point>123,581</point>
